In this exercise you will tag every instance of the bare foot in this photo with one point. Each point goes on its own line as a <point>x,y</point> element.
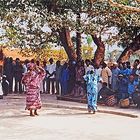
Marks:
<point>32,115</point>
<point>89,110</point>
<point>35,112</point>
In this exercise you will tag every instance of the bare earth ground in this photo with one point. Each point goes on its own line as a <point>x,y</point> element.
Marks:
<point>63,124</point>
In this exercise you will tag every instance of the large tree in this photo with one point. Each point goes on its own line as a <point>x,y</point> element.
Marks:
<point>60,16</point>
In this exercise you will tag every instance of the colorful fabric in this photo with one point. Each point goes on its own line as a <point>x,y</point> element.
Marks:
<point>92,94</point>
<point>111,100</point>
<point>89,68</point>
<point>30,65</point>
<point>32,81</point>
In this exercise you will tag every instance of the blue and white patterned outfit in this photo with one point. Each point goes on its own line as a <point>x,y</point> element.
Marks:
<point>92,90</point>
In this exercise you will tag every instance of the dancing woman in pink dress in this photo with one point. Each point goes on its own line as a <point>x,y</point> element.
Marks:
<point>32,80</point>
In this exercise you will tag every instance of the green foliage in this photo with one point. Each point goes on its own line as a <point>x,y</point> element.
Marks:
<point>26,19</point>
<point>87,52</point>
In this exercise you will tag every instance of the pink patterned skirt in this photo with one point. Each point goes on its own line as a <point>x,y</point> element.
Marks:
<point>33,100</point>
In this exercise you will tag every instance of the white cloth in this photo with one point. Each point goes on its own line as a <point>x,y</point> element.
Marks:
<point>89,68</point>
<point>138,66</point>
<point>51,68</point>
<point>138,72</point>
<point>98,72</point>
<point>1,92</point>
<point>24,69</point>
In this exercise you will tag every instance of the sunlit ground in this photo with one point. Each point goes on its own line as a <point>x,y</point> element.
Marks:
<point>66,124</point>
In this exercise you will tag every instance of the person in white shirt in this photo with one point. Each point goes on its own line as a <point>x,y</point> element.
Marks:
<point>106,74</point>
<point>98,70</point>
<point>51,68</point>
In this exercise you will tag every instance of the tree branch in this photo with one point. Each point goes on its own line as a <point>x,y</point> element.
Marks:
<point>124,7</point>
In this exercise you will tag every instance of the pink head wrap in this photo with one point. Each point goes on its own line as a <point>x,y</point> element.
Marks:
<point>30,65</point>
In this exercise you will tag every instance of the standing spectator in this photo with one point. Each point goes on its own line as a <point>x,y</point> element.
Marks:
<point>128,65</point>
<point>25,66</point>
<point>25,71</point>
<point>41,84</point>
<point>115,73</point>
<point>72,73</point>
<point>8,70</point>
<point>32,80</point>
<point>79,88</point>
<point>138,74</point>
<point>64,79</point>
<point>18,73</point>
<point>106,74</point>
<point>137,63</point>
<point>51,68</point>
<point>91,81</point>
<point>126,71</point>
<point>98,70</point>
<point>58,76</point>
<point>45,79</point>
<point>134,69</point>
<point>120,66</point>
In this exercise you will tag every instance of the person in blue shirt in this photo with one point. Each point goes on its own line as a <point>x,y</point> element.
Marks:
<point>132,86</point>
<point>64,79</point>
<point>91,79</point>
<point>125,70</point>
<point>115,73</point>
<point>122,87</point>
<point>136,96</point>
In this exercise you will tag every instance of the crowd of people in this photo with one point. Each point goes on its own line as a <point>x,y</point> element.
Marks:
<point>108,84</point>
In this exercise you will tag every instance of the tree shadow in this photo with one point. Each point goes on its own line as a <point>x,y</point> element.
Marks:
<point>14,116</point>
<point>66,114</point>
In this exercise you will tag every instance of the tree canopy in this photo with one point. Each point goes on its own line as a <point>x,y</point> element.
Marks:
<point>29,19</point>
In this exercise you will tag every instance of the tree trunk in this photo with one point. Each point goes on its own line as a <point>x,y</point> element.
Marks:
<point>67,43</point>
<point>1,55</point>
<point>128,51</point>
<point>78,39</point>
<point>100,52</point>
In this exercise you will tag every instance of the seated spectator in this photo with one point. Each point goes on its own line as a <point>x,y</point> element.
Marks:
<point>132,86</point>
<point>136,96</point>
<point>107,95</point>
<point>122,87</point>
